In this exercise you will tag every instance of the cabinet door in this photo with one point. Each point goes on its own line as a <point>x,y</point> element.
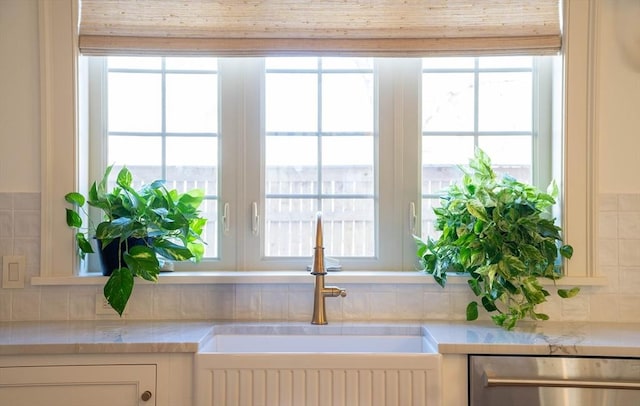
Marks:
<point>70,385</point>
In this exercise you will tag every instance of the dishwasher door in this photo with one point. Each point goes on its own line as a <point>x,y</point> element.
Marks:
<point>553,381</point>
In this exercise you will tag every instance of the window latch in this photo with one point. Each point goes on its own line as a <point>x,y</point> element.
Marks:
<point>413,219</point>
<point>225,218</point>
<point>255,219</point>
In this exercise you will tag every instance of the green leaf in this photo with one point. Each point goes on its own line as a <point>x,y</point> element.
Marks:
<point>488,304</point>
<point>73,219</point>
<point>197,249</point>
<point>472,311</point>
<point>125,179</point>
<point>142,261</point>
<point>83,244</point>
<point>477,210</point>
<point>475,286</point>
<point>75,198</point>
<point>192,198</point>
<point>119,228</point>
<point>565,294</point>
<point>566,251</point>
<point>118,289</point>
<point>173,251</point>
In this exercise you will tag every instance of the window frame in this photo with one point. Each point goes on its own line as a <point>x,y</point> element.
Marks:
<point>63,116</point>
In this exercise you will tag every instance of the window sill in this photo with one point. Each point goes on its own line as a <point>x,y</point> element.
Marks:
<point>293,277</point>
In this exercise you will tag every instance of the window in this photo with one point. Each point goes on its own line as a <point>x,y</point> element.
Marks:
<point>65,129</point>
<point>319,155</point>
<point>499,104</point>
<point>322,132</point>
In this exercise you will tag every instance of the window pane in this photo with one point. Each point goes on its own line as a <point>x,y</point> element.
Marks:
<point>428,217</point>
<point>505,101</point>
<point>135,102</point>
<point>192,163</point>
<point>290,227</point>
<point>347,102</point>
<point>512,155</point>
<point>348,226</point>
<point>447,102</point>
<point>347,165</point>
<point>192,103</point>
<point>344,164</point>
<point>501,103</point>
<point>126,150</point>
<point>441,156</point>
<point>291,165</point>
<point>291,151</point>
<point>209,210</point>
<point>291,102</point>
<point>175,99</point>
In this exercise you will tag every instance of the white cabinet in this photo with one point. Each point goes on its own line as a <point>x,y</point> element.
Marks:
<point>159,379</point>
<point>78,385</point>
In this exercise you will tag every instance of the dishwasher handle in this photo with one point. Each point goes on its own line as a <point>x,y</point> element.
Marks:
<point>560,383</point>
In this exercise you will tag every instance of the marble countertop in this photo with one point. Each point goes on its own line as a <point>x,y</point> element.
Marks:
<point>544,338</point>
<point>458,337</point>
<point>87,337</point>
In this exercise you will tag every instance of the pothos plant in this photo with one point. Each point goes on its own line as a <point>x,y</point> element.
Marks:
<point>165,223</point>
<point>501,234</point>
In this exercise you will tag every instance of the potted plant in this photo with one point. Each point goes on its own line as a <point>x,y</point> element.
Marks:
<point>500,233</point>
<point>140,226</point>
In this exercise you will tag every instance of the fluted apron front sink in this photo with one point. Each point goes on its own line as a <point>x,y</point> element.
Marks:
<point>332,365</point>
<point>322,339</point>
<point>258,343</point>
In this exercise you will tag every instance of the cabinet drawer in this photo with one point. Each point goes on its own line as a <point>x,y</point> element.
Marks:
<point>78,385</point>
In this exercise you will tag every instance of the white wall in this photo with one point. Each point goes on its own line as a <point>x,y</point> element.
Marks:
<point>19,97</point>
<point>618,96</point>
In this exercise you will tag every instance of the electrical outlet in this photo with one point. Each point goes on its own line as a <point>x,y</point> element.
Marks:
<point>103,307</point>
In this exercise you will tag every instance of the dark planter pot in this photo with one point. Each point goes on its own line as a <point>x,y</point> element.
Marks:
<point>109,254</point>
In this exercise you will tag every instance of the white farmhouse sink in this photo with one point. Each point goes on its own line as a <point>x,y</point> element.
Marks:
<point>317,339</point>
<point>292,364</point>
<point>227,343</point>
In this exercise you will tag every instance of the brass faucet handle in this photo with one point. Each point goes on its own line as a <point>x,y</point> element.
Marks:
<point>335,291</point>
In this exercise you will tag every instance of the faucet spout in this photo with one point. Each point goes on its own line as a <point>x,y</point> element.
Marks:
<point>319,271</point>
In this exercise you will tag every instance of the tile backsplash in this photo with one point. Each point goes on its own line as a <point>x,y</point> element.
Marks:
<point>618,258</point>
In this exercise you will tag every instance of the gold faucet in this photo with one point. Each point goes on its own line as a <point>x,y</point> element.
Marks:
<point>319,271</point>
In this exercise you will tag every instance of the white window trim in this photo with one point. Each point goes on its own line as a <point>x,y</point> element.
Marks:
<point>61,154</point>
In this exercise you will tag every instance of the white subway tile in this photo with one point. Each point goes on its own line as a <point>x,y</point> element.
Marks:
<point>5,304</point>
<point>629,252</point>
<point>6,224</point>
<point>604,308</point>
<point>629,225</point>
<point>607,252</point>
<point>54,303</point>
<point>247,302</point>
<point>167,300</point>
<point>576,308</point>
<point>608,202</point>
<point>26,201</point>
<point>608,225</point>
<point>629,202</point>
<point>26,223</point>
<point>25,304</point>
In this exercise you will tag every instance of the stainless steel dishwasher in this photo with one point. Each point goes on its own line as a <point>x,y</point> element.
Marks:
<point>553,381</point>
